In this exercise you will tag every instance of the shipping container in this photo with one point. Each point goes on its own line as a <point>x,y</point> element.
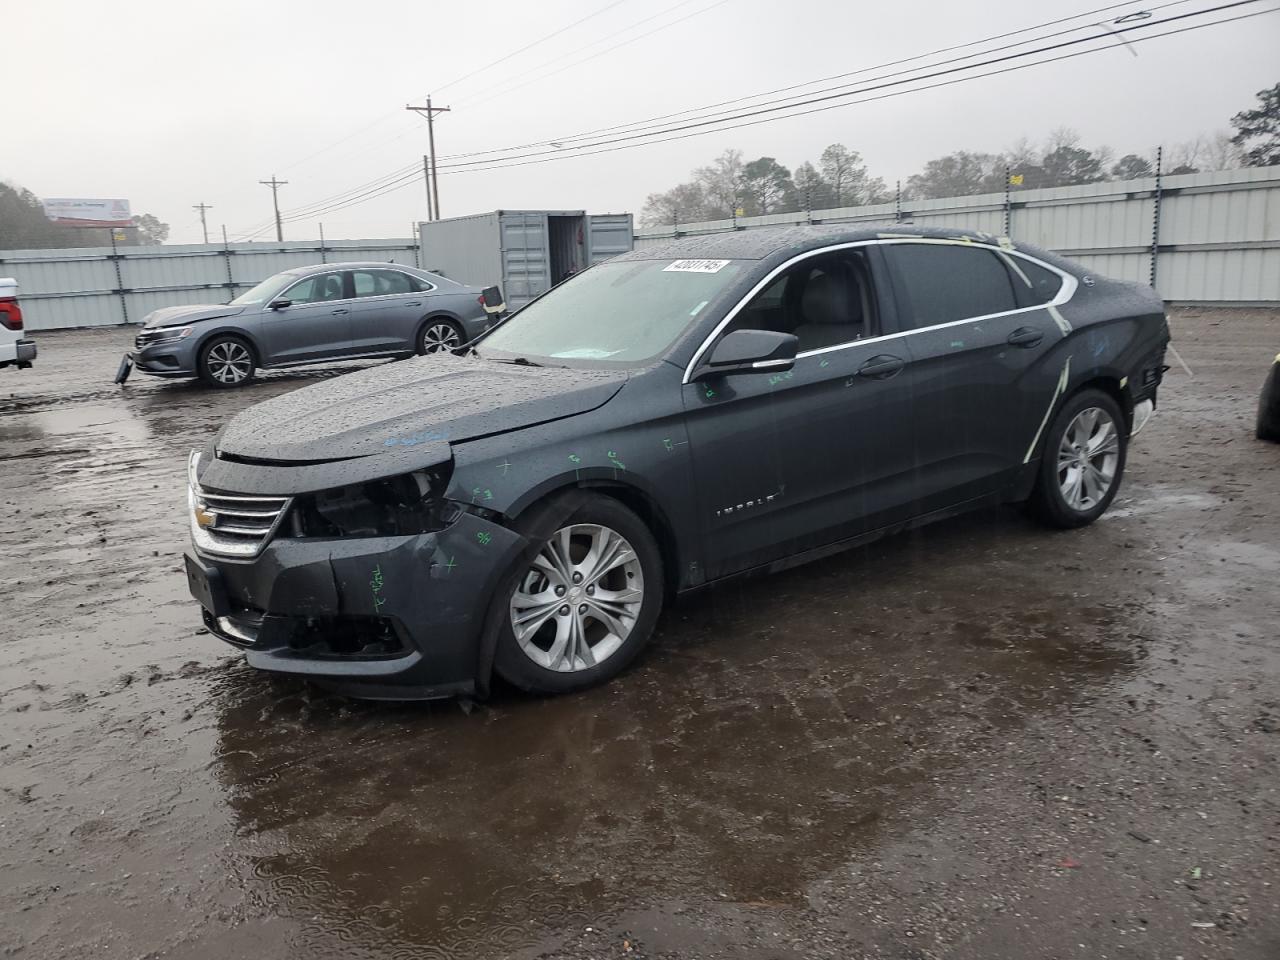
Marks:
<point>525,252</point>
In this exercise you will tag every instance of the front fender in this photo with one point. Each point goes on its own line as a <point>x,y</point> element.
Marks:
<point>647,461</point>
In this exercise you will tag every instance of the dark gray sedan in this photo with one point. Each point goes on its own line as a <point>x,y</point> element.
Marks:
<point>706,408</point>
<point>333,311</point>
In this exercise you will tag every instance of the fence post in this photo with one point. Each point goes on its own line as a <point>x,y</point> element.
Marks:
<point>897,204</point>
<point>226,259</point>
<point>1155,218</point>
<point>808,207</point>
<point>115,259</point>
<point>675,223</point>
<point>415,244</point>
<point>1007,174</point>
<point>323,259</point>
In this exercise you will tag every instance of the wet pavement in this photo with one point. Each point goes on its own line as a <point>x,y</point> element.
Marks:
<point>979,740</point>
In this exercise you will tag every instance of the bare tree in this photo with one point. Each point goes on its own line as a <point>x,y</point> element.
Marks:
<point>1221,152</point>
<point>685,203</point>
<point>721,183</point>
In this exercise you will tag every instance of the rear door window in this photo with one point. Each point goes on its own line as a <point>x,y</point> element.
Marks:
<point>946,282</point>
<point>382,283</point>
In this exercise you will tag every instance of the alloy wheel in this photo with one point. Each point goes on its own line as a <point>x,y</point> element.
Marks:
<point>440,337</point>
<point>579,600</point>
<point>1087,459</point>
<point>229,361</point>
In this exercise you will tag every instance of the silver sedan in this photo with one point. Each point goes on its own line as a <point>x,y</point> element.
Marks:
<point>334,311</point>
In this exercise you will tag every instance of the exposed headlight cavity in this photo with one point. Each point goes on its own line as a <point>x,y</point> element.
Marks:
<point>395,506</point>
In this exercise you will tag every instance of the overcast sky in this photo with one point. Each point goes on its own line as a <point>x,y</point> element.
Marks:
<point>170,103</point>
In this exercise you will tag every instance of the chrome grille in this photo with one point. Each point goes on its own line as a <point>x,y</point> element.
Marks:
<point>232,525</point>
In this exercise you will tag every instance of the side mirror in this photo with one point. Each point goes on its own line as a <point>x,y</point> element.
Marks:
<point>750,351</point>
<point>280,304</point>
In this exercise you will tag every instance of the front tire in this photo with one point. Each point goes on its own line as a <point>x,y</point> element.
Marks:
<point>226,361</point>
<point>439,335</point>
<point>1082,461</point>
<point>580,607</point>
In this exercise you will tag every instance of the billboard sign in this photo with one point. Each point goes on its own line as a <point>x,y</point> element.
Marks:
<point>79,212</point>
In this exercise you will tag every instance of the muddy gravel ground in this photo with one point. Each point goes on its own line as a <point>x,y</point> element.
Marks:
<point>981,740</point>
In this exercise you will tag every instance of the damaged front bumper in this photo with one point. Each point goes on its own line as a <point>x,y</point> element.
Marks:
<point>376,617</point>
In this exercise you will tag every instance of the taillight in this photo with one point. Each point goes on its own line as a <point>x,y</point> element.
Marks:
<point>10,315</point>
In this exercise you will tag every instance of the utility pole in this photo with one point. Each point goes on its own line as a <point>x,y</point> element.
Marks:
<point>202,207</point>
<point>426,178</point>
<point>275,185</point>
<point>430,112</point>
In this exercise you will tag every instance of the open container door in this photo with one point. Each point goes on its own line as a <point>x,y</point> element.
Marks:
<point>608,234</point>
<point>526,260</point>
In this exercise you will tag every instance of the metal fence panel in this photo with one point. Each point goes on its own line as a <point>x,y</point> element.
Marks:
<point>1218,232</point>
<point>97,286</point>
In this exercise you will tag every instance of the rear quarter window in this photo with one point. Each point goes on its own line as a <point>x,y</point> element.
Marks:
<point>1034,285</point>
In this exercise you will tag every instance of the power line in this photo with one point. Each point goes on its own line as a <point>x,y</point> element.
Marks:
<point>382,118</point>
<point>413,174</point>
<point>484,90</point>
<point>826,95</point>
<point>808,83</point>
<point>502,89</point>
<point>528,46</point>
<point>371,189</point>
<point>640,124</point>
<point>720,124</point>
<point>499,165</point>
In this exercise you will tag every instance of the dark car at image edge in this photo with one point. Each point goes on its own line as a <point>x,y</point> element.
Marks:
<point>677,416</point>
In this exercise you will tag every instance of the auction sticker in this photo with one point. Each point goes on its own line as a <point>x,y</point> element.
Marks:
<point>695,266</point>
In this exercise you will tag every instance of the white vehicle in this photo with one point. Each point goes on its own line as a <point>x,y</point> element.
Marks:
<point>15,349</point>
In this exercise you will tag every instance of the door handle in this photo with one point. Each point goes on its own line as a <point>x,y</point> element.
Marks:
<point>341,310</point>
<point>1025,337</point>
<point>414,303</point>
<point>882,367</point>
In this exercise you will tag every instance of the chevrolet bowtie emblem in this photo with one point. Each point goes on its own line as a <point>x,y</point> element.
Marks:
<point>205,518</point>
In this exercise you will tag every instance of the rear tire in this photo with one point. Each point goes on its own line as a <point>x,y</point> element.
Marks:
<point>439,335</point>
<point>1082,461</point>
<point>1268,425</point>
<point>226,361</point>
<point>581,604</point>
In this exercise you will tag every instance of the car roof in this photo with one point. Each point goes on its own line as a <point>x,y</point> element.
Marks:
<point>763,243</point>
<point>326,267</point>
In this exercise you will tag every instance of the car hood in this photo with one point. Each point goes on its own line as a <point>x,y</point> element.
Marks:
<point>172,316</point>
<point>430,400</point>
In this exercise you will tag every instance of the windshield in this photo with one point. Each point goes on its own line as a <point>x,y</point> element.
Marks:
<point>622,312</point>
<point>264,291</point>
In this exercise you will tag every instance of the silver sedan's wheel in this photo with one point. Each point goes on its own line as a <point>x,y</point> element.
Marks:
<point>439,336</point>
<point>228,363</point>
<point>579,600</point>
<point>1087,459</point>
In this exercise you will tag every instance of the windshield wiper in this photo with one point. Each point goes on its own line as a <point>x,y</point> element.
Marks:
<point>518,361</point>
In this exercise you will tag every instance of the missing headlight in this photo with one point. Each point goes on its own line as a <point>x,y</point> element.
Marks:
<point>391,507</point>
